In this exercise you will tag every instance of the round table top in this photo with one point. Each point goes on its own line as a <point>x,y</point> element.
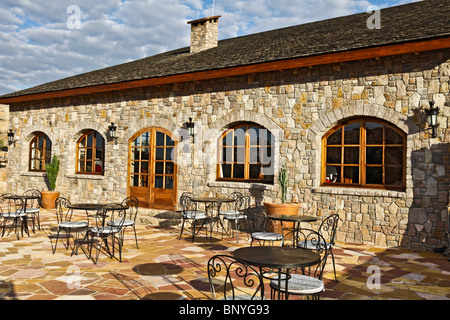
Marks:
<point>85,206</point>
<point>277,257</point>
<point>16,196</point>
<point>213,199</point>
<point>293,218</point>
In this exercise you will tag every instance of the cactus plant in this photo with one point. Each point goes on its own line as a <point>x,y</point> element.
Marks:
<point>52,172</point>
<point>283,180</point>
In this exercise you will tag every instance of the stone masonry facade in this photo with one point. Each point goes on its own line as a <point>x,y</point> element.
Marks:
<point>299,106</point>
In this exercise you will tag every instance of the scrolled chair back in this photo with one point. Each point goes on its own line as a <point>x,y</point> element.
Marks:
<point>257,219</point>
<point>312,240</point>
<point>111,212</point>
<point>63,212</point>
<point>133,205</point>
<point>11,203</point>
<point>328,228</point>
<point>232,279</point>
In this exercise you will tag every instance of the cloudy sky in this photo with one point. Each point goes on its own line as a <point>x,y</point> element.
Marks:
<point>42,41</point>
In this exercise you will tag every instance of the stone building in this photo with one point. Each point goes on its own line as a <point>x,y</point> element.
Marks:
<point>339,103</point>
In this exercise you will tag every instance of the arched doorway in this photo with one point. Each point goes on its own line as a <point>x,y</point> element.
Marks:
<point>152,169</point>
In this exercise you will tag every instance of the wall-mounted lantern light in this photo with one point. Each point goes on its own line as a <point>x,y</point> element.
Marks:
<point>432,114</point>
<point>112,131</point>
<point>190,127</point>
<point>11,136</point>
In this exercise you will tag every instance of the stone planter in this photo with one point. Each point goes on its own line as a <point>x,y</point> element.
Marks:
<point>48,199</point>
<point>290,209</point>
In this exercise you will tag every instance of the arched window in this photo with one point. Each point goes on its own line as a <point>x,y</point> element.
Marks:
<point>40,152</point>
<point>91,153</point>
<point>364,152</point>
<point>245,153</point>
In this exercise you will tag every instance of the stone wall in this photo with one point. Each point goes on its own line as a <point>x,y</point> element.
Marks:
<point>298,106</point>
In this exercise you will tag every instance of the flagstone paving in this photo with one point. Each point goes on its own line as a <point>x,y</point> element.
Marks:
<point>166,268</point>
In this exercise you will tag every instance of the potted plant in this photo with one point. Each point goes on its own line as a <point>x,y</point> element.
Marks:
<point>49,197</point>
<point>285,208</point>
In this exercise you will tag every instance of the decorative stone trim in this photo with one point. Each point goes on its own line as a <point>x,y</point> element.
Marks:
<point>240,185</point>
<point>85,176</point>
<point>360,192</point>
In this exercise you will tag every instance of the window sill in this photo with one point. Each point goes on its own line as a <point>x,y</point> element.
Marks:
<point>240,185</point>
<point>34,174</point>
<point>85,176</point>
<point>360,192</point>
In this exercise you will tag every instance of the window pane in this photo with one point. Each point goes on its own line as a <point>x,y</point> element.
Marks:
<point>239,137</point>
<point>334,154</point>
<point>89,154</point>
<point>238,171</point>
<point>82,154</point>
<point>374,175</point>
<point>394,155</point>
<point>351,175</point>
<point>98,166</point>
<point>81,166</point>
<point>374,133</point>
<point>374,155</point>
<point>254,136</point>
<point>239,154</point>
<point>333,174</point>
<point>394,176</point>
<point>169,153</point>
<point>99,141</point>
<point>351,133</point>
<point>169,141</point>
<point>335,138</point>
<point>226,171</point>
<point>89,166</point>
<point>83,142</point>
<point>90,140</point>
<point>351,155</point>
<point>227,155</point>
<point>254,155</point>
<point>393,137</point>
<point>228,139</point>
<point>255,170</point>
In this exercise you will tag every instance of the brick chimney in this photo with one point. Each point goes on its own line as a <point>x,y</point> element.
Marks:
<point>204,33</point>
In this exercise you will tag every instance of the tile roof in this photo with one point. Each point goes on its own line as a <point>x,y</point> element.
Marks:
<point>422,20</point>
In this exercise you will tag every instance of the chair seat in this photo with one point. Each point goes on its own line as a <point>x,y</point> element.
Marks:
<point>245,297</point>
<point>73,224</point>
<point>105,230</point>
<point>300,284</point>
<point>196,215</point>
<point>267,236</point>
<point>231,211</point>
<point>312,246</point>
<point>234,216</point>
<point>126,223</point>
<point>31,210</point>
<point>18,214</point>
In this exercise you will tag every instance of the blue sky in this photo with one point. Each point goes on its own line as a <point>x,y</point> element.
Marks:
<point>40,41</point>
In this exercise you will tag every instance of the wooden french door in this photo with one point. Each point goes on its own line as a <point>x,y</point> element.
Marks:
<point>152,169</point>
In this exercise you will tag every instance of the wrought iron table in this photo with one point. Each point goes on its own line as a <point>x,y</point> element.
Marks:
<point>24,219</point>
<point>212,203</point>
<point>296,220</point>
<point>281,258</point>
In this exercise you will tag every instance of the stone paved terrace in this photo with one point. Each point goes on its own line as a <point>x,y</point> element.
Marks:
<point>165,268</point>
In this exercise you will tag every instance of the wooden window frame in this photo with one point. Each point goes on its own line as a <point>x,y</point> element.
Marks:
<point>94,151</point>
<point>246,147</point>
<point>362,165</point>
<point>44,151</point>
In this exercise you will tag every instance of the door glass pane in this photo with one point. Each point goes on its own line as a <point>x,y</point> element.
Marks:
<point>334,155</point>
<point>168,184</point>
<point>169,168</point>
<point>145,154</point>
<point>160,139</point>
<point>159,167</point>
<point>374,175</point>
<point>335,138</point>
<point>159,153</point>
<point>144,167</point>
<point>374,133</point>
<point>374,155</point>
<point>136,142</point>
<point>145,138</point>
<point>134,167</point>
<point>159,180</point>
<point>351,133</point>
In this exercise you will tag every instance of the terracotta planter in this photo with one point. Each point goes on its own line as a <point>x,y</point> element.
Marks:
<point>290,209</point>
<point>48,199</point>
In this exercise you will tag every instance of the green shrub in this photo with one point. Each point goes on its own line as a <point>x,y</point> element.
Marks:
<point>52,172</point>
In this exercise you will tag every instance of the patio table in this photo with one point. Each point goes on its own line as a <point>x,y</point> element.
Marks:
<point>25,198</point>
<point>282,259</point>
<point>212,203</point>
<point>296,220</point>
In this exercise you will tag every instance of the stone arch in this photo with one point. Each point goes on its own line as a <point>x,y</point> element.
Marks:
<point>153,122</point>
<point>27,135</point>
<point>326,122</point>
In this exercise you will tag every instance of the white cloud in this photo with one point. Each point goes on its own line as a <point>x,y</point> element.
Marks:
<point>37,46</point>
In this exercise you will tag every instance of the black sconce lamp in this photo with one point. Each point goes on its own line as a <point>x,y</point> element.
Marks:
<point>190,127</point>
<point>432,114</point>
<point>11,136</point>
<point>112,131</point>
